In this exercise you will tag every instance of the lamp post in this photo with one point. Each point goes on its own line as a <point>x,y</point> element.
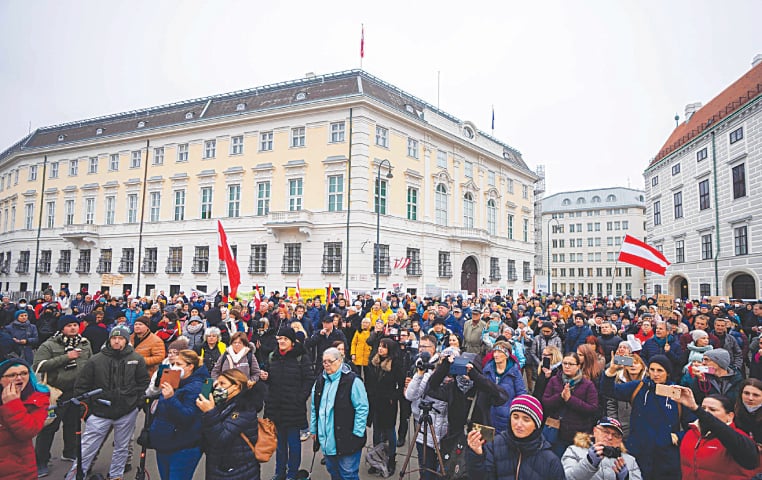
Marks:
<point>548,240</point>
<point>378,214</point>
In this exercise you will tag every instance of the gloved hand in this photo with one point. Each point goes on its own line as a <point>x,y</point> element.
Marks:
<point>593,457</point>
<point>623,474</point>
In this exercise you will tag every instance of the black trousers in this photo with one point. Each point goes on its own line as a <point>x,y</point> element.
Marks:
<point>69,417</point>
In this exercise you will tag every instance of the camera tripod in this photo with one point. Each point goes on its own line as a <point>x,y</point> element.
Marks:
<point>425,427</point>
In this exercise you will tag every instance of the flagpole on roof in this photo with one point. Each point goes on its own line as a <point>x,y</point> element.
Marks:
<point>362,43</point>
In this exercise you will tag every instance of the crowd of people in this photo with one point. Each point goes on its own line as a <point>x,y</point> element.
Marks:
<point>526,387</point>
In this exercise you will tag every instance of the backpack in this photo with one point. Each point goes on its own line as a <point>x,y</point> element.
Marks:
<point>378,457</point>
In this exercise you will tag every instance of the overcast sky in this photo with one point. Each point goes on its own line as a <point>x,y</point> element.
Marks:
<point>587,88</point>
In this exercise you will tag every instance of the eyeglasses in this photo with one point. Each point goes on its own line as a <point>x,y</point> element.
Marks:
<point>425,346</point>
<point>569,364</point>
<point>328,362</point>
<point>605,432</point>
<point>11,376</point>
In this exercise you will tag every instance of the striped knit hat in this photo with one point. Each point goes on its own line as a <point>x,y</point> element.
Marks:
<point>529,405</point>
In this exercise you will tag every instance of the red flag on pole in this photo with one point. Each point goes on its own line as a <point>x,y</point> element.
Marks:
<point>298,290</point>
<point>224,252</point>
<point>257,297</point>
<point>362,42</point>
<point>642,255</point>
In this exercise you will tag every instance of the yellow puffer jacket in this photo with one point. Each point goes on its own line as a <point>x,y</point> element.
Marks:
<point>360,348</point>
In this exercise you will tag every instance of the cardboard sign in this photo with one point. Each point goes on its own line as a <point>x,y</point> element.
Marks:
<point>665,304</point>
<point>307,293</point>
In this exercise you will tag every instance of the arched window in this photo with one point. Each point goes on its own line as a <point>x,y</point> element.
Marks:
<point>566,202</point>
<point>491,217</point>
<point>581,201</point>
<point>441,205</point>
<point>596,199</point>
<point>468,210</point>
<point>611,198</point>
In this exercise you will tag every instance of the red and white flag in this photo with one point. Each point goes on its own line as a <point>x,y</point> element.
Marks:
<point>257,298</point>
<point>640,254</point>
<point>226,254</point>
<point>298,290</point>
<point>362,42</point>
<point>401,263</point>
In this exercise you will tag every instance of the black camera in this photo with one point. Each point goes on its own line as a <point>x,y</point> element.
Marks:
<point>422,361</point>
<point>612,452</point>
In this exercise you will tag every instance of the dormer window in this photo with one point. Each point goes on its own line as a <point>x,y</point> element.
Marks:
<point>468,132</point>
<point>301,96</point>
<point>141,124</point>
<point>409,108</point>
<point>99,131</point>
<point>61,137</point>
<point>240,107</point>
<point>189,116</point>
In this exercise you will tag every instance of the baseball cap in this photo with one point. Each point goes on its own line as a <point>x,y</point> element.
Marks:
<point>611,423</point>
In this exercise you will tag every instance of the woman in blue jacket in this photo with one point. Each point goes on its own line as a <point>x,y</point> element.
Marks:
<point>504,371</point>
<point>176,429</point>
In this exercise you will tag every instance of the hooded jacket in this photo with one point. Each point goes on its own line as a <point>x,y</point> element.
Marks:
<point>578,467</point>
<point>507,458</point>
<point>24,331</point>
<point>177,422</point>
<point>122,375</point>
<point>728,385</point>
<point>540,342</point>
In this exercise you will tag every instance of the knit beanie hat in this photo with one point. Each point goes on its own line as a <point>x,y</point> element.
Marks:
<point>120,331</point>
<point>20,312</point>
<point>287,332</point>
<point>65,320</point>
<point>179,344</point>
<point>663,361</point>
<point>529,405</point>
<point>697,356</point>
<point>144,320</point>
<point>720,356</point>
<point>696,334</point>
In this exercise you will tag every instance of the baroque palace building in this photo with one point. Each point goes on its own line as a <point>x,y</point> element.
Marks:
<point>703,193</point>
<point>131,201</point>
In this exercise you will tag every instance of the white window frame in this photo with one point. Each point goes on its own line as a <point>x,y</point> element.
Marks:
<point>295,193</point>
<point>92,166</point>
<point>337,132</point>
<point>412,148</point>
<point>50,220</point>
<point>182,152</point>
<point>73,168</point>
<point>158,156</point>
<point>179,210</point>
<point>154,206</point>
<point>468,210</point>
<point>207,202</point>
<point>491,217</point>
<point>136,158</point>
<point>210,148</point>
<point>69,211</point>
<point>32,174</point>
<point>89,210</point>
<point>382,136</point>
<point>266,141</point>
<point>234,200</point>
<point>441,201</point>
<point>442,159</point>
<point>110,205</point>
<point>263,198</point>
<point>298,137</point>
<point>113,162</point>
<point>236,145</point>
<point>335,193</point>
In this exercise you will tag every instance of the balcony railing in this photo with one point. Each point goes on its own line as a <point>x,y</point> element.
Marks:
<point>22,266</point>
<point>125,266</point>
<point>173,266</point>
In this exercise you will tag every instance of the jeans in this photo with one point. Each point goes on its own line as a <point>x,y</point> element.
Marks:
<point>345,467</point>
<point>431,464</point>
<point>69,416</point>
<point>180,465</point>
<point>289,452</point>
<point>96,430</point>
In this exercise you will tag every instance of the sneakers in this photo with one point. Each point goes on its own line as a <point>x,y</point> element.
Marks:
<point>67,458</point>
<point>42,471</point>
<point>304,435</point>
<point>279,477</point>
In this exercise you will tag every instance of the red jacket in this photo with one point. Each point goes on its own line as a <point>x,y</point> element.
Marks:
<point>20,422</point>
<point>703,458</point>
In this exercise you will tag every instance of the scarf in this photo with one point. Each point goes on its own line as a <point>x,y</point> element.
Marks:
<point>69,343</point>
<point>572,381</point>
<point>236,357</point>
<point>385,364</point>
<point>660,341</point>
<point>194,328</point>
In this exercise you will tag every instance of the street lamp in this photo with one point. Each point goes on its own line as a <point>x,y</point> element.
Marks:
<point>378,215</point>
<point>548,240</point>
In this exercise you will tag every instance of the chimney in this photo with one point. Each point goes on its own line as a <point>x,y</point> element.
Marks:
<point>757,60</point>
<point>690,109</point>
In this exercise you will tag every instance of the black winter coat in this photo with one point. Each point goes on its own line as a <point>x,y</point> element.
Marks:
<point>227,454</point>
<point>507,459</point>
<point>289,381</point>
<point>384,384</point>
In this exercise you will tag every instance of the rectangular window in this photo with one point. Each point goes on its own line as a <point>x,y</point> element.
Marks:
<point>46,258</point>
<point>132,208</point>
<point>266,141</point>
<point>741,240</point>
<point>382,137</point>
<point>678,199</point>
<point>704,201</point>
<point>380,197</point>
<point>150,260</point>
<point>175,260</point>
<point>210,148</point>
<point>158,156</point>
<point>510,185</point>
<point>337,132</point>
<point>444,267</point>
<point>494,269</point>
<point>179,205</point>
<point>155,205</point>
<point>295,190</point>
<point>527,272</point>
<point>589,227</point>
<point>28,216</point>
<point>381,264</point>
<point>414,266</point>
<point>705,289</point>
<point>127,262</point>
<point>331,257</point>
<point>135,159</point>
<point>263,198</point>
<point>412,203</point>
<point>510,227</point>
<point>298,137</point>
<point>675,169</point>
<point>490,178</point>
<point>739,181</point>
<point>64,262</point>
<point>609,226</point>
<point>468,169</point>
<point>73,168</point>
<point>50,219</point>
<point>679,251</point>
<point>526,230</point>
<point>590,241</point>
<point>625,224</point>
<point>702,154</point>
<point>335,193</point>
<point>32,173</point>
<point>525,191</point>
<point>236,145</point>
<point>92,166</point>
<point>206,203</point>
<point>258,259</point>
<point>706,247</point>
<point>654,180</point>
<point>736,135</point>
<point>512,275</point>
<point>68,212</point>
<point>105,261</point>
<point>597,226</point>
<point>182,152</point>
<point>89,211</point>
<point>113,163</point>
<point>201,260</point>
<point>292,258</point>
<point>442,159</point>
<point>412,148</point>
<point>234,200</point>
<point>53,170</point>
<point>83,263</point>
<point>23,264</point>
<point>657,213</point>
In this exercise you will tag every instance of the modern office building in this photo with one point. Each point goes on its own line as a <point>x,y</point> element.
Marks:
<point>131,200</point>
<point>583,232</point>
<point>703,190</point>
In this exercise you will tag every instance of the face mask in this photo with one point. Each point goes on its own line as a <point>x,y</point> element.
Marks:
<point>751,409</point>
<point>219,395</point>
<point>179,369</point>
<point>22,305</point>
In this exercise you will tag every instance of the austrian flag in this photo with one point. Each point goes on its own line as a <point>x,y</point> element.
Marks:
<point>643,255</point>
<point>226,255</point>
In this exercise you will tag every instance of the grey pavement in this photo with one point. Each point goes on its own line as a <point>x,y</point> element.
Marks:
<point>59,468</point>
